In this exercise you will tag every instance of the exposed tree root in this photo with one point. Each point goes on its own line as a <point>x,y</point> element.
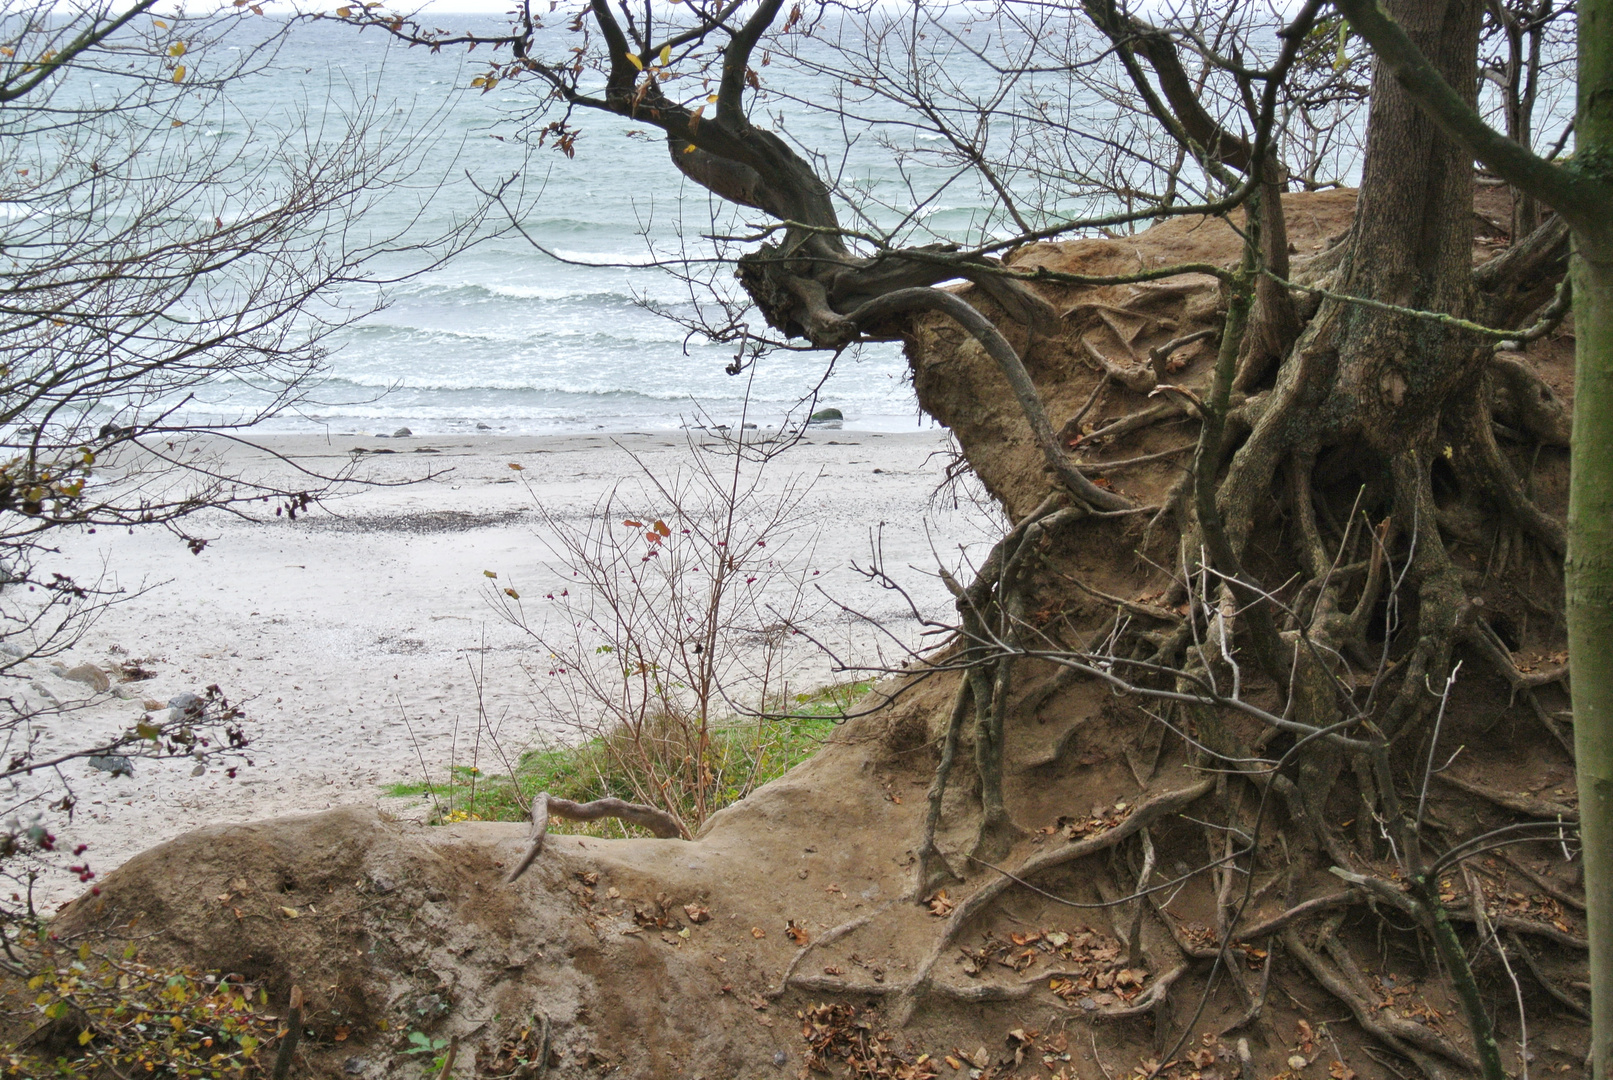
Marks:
<point>931,868</point>
<point>1531,405</point>
<point>1513,800</point>
<point>1143,814</point>
<point>1526,926</point>
<point>1299,912</point>
<point>1488,645</point>
<point>981,992</point>
<point>1543,883</point>
<point>828,937</point>
<point>1499,484</point>
<point>1133,375</point>
<point>1168,409</point>
<point>1547,984</point>
<point>1147,1002</point>
<point>1402,1036</point>
<point>659,822</point>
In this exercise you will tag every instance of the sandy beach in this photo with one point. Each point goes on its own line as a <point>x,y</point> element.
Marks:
<point>363,638</point>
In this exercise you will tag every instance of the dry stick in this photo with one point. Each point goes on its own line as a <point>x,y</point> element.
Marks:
<point>288,1042</point>
<point>659,822</point>
<point>424,772</point>
<point>1257,1003</point>
<point>1096,1056</point>
<point>1143,815</point>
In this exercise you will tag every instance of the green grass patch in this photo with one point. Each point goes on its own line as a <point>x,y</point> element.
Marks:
<point>739,757</point>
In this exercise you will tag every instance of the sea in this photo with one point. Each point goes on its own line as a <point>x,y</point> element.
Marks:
<point>577,301</point>
<point>577,307</point>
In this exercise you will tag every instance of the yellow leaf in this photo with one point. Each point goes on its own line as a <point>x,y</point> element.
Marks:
<point>711,99</point>
<point>289,912</point>
<point>512,594</point>
<point>343,12</point>
<point>4,51</point>
<point>84,950</point>
<point>179,73</point>
<point>85,1036</point>
<point>635,61</point>
<point>177,49</point>
<point>689,149</point>
<point>489,573</point>
<point>176,123</point>
<point>159,24</point>
<point>666,55</point>
<point>517,467</point>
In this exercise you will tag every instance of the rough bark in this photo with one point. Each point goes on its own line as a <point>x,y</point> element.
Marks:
<point>1590,547</point>
<point>1581,195</point>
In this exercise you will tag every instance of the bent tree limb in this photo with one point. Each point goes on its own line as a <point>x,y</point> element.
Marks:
<point>997,347</point>
<point>544,805</point>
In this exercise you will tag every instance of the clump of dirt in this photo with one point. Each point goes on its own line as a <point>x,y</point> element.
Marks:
<point>792,936</point>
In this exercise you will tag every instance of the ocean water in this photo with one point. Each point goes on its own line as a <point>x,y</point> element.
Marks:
<point>556,320</point>
<point>507,338</point>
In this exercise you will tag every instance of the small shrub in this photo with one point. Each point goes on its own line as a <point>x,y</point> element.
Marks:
<point>739,757</point>
<point>96,1014</point>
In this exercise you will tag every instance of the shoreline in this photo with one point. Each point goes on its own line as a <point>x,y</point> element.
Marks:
<point>360,638</point>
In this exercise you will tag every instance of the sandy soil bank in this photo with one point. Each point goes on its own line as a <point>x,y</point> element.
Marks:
<point>352,634</point>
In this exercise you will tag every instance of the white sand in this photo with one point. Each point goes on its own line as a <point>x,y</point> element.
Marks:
<point>335,628</point>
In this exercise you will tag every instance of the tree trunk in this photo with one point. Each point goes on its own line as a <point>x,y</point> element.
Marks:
<point>1590,528</point>
<point>1413,240</point>
<point>1590,620</point>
